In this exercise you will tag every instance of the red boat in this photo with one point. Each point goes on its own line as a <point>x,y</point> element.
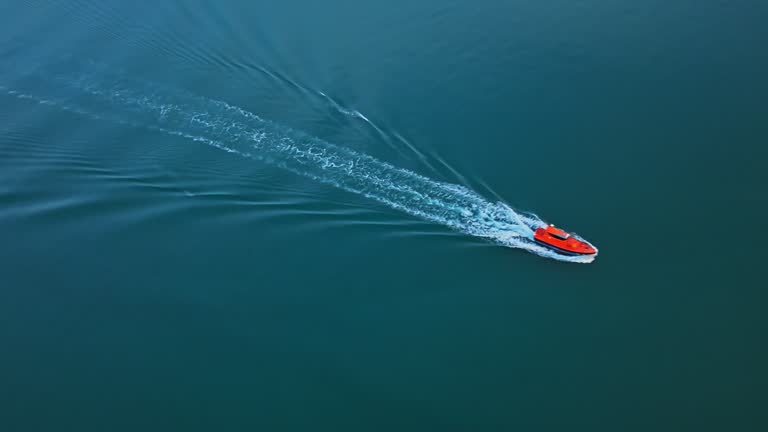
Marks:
<point>562,242</point>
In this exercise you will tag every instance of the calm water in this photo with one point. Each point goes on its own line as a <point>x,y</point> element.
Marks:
<point>297,215</point>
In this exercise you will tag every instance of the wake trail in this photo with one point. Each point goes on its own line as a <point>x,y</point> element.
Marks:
<point>237,131</point>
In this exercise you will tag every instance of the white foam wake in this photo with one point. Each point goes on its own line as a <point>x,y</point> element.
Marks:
<point>235,130</point>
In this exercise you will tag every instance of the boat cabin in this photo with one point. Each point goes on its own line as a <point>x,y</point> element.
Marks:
<point>557,233</point>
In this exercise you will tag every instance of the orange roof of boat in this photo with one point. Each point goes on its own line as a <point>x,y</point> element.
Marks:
<point>551,229</point>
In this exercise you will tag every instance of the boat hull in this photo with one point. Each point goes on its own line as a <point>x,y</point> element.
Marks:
<point>562,251</point>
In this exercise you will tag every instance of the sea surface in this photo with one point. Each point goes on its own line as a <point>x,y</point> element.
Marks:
<point>317,216</point>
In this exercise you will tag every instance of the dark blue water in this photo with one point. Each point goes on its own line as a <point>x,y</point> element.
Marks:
<point>318,216</point>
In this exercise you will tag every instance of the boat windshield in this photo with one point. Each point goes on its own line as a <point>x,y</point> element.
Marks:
<point>561,236</point>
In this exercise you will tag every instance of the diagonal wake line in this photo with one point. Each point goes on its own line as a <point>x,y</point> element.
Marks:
<point>235,130</point>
